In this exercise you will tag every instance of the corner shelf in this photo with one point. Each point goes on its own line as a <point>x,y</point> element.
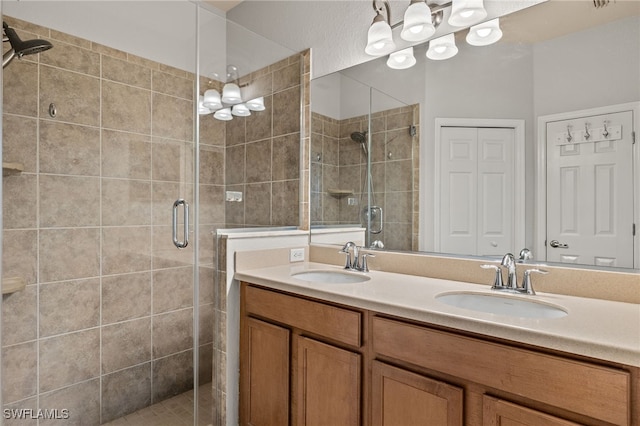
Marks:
<point>9,169</point>
<point>339,193</point>
<point>13,284</point>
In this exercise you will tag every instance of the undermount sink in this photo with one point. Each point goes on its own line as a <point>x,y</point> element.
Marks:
<point>516,306</point>
<point>331,277</point>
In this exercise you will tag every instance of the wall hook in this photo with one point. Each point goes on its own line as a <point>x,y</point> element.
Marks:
<point>605,132</point>
<point>52,110</point>
<point>587,135</point>
<point>569,136</point>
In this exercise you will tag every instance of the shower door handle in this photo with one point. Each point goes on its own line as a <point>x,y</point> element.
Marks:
<point>185,237</point>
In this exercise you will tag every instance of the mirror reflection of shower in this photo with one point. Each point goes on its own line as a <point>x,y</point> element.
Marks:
<point>20,48</point>
<point>371,215</point>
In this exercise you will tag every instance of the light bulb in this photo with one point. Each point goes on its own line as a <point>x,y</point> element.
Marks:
<point>223,114</point>
<point>418,25</point>
<point>442,47</point>
<point>379,38</point>
<point>211,99</point>
<point>401,59</point>
<point>416,29</point>
<point>256,104</point>
<point>484,34</point>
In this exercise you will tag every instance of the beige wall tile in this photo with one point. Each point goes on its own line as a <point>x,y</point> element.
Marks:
<point>68,201</point>
<point>168,160</point>
<point>284,203</point>
<point>172,375</point>
<point>163,195</point>
<point>257,202</point>
<point>76,96</point>
<point>126,249</point>
<point>259,124</point>
<point>126,202</point>
<point>19,368</point>
<point>212,199</point>
<point>69,306</point>
<point>125,344</point>
<point>69,149</point>
<point>399,176</point>
<point>126,297</point>
<point>172,117</point>
<point>72,58</point>
<point>82,401</point>
<point>211,165</point>
<point>235,156</point>
<point>172,332</point>
<point>20,88</point>
<point>69,254</point>
<point>126,155</point>
<point>20,254</point>
<point>169,84</point>
<point>126,391</point>
<point>258,161</point>
<point>206,324</point>
<point>19,316</point>
<point>287,77</point>
<point>126,72</point>
<point>20,141</point>
<point>165,254</point>
<point>286,111</point>
<point>205,374</point>
<point>212,131</point>
<point>206,282</point>
<point>126,108</point>
<point>236,131</point>
<point>19,201</point>
<point>172,289</point>
<point>29,404</point>
<point>69,358</point>
<point>286,157</point>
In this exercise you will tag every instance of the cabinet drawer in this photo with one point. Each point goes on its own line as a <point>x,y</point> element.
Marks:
<point>329,321</point>
<point>598,392</point>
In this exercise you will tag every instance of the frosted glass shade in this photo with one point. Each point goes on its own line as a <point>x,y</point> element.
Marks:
<point>211,99</point>
<point>485,34</point>
<point>442,48</point>
<point>231,94</point>
<point>256,104</point>
<point>417,23</point>
<point>466,12</point>
<point>379,38</point>
<point>223,114</point>
<point>401,59</point>
<point>202,110</point>
<point>240,110</point>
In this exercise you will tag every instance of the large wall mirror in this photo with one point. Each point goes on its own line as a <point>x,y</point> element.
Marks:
<point>473,155</point>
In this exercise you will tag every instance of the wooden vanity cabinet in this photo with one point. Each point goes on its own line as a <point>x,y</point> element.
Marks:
<point>300,361</point>
<point>309,362</point>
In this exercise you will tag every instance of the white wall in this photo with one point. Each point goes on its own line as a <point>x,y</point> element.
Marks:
<point>589,64</point>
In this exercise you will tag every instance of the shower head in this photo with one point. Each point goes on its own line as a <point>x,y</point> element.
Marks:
<point>20,48</point>
<point>360,137</point>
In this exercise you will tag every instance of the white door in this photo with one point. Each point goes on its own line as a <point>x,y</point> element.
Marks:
<point>476,199</point>
<point>590,190</point>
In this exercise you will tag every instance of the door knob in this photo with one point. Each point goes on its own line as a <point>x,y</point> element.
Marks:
<point>558,244</point>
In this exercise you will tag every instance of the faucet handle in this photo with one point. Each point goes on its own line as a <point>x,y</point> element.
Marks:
<point>365,266</point>
<point>347,264</point>
<point>527,286</point>
<point>497,283</point>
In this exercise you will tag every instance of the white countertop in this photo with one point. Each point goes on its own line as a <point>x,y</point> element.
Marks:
<point>594,328</point>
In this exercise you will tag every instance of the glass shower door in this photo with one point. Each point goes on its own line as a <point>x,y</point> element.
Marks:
<point>102,127</point>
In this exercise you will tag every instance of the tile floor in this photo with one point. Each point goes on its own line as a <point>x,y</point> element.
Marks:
<point>176,411</point>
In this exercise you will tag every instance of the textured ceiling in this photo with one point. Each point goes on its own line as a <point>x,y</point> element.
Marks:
<point>224,5</point>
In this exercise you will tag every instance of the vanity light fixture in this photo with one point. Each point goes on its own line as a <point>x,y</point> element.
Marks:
<point>485,34</point>
<point>402,59</point>
<point>230,103</point>
<point>466,12</point>
<point>418,24</point>
<point>442,48</point>
<point>379,37</point>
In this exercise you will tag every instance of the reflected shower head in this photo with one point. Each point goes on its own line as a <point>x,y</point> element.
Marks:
<point>20,48</point>
<point>360,137</point>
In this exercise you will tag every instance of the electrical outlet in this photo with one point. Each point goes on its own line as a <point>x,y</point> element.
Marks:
<point>296,255</point>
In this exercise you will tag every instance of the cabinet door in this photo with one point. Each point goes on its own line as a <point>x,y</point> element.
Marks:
<point>502,413</point>
<point>264,374</point>
<point>404,398</point>
<point>328,385</point>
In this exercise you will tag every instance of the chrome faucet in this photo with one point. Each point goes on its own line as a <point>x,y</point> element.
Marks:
<point>355,264</point>
<point>509,262</point>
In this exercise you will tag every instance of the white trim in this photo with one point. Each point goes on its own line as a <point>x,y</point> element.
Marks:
<point>540,219</point>
<point>519,172</point>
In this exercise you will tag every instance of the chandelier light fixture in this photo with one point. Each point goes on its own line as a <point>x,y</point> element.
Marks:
<point>420,23</point>
<point>230,104</point>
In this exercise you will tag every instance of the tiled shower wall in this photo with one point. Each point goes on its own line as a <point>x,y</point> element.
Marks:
<point>339,171</point>
<point>104,326</point>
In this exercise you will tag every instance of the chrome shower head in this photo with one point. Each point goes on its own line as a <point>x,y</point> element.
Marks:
<point>360,137</point>
<point>20,48</point>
